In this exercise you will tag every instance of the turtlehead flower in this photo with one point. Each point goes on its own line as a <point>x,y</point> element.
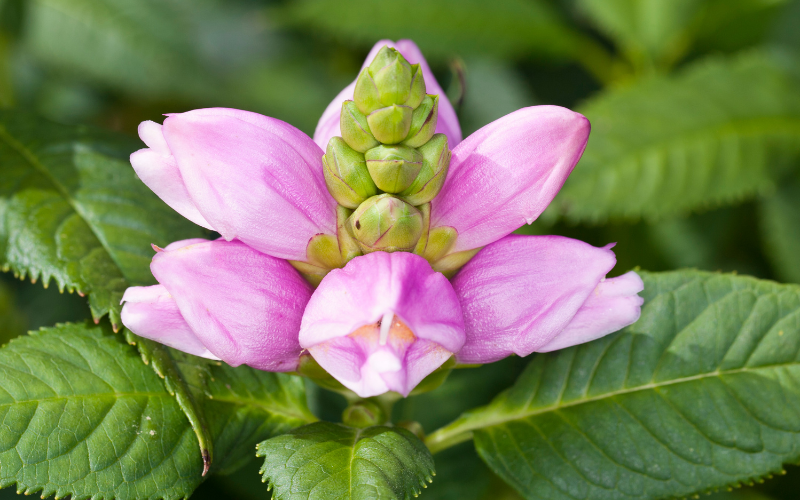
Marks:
<point>382,247</point>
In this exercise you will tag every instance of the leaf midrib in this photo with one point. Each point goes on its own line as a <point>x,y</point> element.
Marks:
<point>113,395</point>
<point>461,430</point>
<point>29,157</point>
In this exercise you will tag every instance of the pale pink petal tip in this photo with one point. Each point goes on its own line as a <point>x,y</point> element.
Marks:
<point>527,155</point>
<point>222,300</point>
<point>383,323</point>
<point>150,312</point>
<point>520,294</point>
<point>612,306</point>
<point>254,178</point>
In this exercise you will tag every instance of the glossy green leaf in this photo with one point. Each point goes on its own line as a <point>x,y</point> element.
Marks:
<point>325,460</point>
<point>82,415</point>
<point>701,393</point>
<point>72,210</point>
<point>720,131</point>
<point>780,229</point>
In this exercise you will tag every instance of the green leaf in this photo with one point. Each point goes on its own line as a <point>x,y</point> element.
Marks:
<point>720,131</point>
<point>325,460</point>
<point>507,27</point>
<point>72,210</point>
<point>702,392</point>
<point>82,415</point>
<point>12,321</point>
<point>659,33</point>
<point>645,30</point>
<point>780,229</point>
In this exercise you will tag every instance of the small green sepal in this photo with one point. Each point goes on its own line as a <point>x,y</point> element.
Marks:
<point>393,168</point>
<point>348,246</point>
<point>346,174</point>
<point>385,223</point>
<point>423,122</point>
<point>440,240</point>
<point>391,124</point>
<point>355,129</point>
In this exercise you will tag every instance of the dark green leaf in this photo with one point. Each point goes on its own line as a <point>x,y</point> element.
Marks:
<point>84,416</point>
<point>702,392</point>
<point>645,30</point>
<point>780,227</point>
<point>72,210</point>
<point>325,460</point>
<point>506,27</point>
<point>720,131</point>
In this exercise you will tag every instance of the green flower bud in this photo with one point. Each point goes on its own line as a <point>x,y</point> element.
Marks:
<point>391,124</point>
<point>364,413</point>
<point>423,122</point>
<point>346,174</point>
<point>394,81</point>
<point>385,223</point>
<point>435,162</point>
<point>389,80</point>
<point>393,168</point>
<point>366,95</point>
<point>417,92</point>
<point>355,129</point>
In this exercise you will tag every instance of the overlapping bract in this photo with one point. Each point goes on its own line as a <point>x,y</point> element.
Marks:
<point>385,321</point>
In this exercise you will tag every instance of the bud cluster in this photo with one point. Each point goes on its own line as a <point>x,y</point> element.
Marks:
<point>389,163</point>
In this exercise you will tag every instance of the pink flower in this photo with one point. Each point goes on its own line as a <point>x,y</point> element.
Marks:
<point>385,320</point>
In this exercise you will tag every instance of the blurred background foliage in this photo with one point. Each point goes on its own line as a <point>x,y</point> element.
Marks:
<point>694,158</point>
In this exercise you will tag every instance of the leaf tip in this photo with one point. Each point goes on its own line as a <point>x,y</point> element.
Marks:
<point>206,461</point>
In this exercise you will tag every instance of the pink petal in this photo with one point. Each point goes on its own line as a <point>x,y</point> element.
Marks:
<point>505,174</point>
<point>520,293</point>
<point>328,125</point>
<point>150,312</point>
<point>157,169</point>
<point>254,178</point>
<point>611,307</point>
<point>382,287</point>
<point>244,306</point>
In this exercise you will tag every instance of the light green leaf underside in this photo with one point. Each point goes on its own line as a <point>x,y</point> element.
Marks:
<point>333,462</point>
<point>718,132</point>
<point>72,210</point>
<point>82,415</point>
<point>702,392</point>
<point>780,227</point>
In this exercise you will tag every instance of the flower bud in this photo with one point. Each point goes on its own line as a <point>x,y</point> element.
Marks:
<point>389,80</point>
<point>391,124</point>
<point>364,413</point>
<point>393,168</point>
<point>435,162</point>
<point>423,122</point>
<point>385,223</point>
<point>346,174</point>
<point>393,81</point>
<point>417,87</point>
<point>355,129</point>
